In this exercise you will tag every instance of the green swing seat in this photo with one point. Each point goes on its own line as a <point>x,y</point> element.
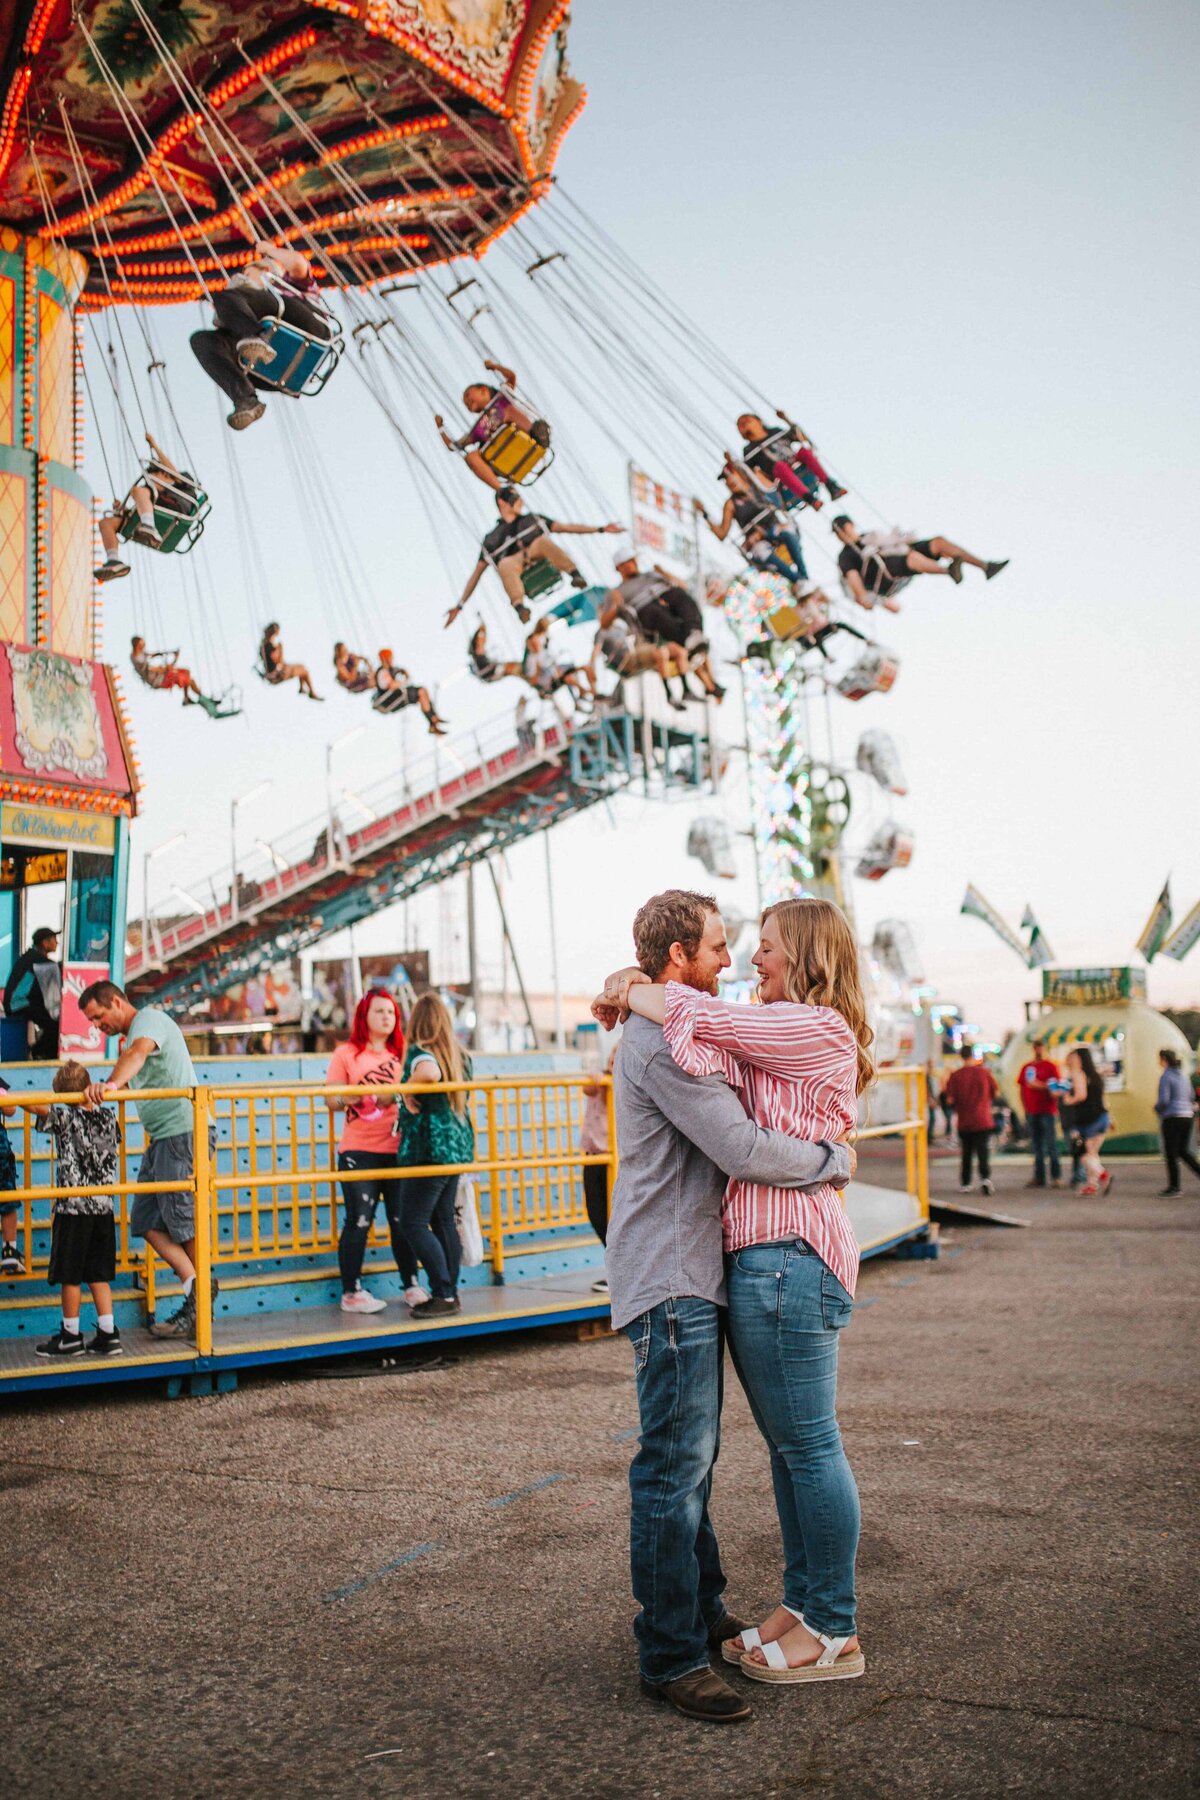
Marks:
<point>179,520</point>
<point>540,578</point>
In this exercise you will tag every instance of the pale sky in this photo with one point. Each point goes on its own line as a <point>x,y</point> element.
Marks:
<point>958,244</point>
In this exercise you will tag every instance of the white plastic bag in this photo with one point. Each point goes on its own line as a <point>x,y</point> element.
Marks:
<point>466,1218</point>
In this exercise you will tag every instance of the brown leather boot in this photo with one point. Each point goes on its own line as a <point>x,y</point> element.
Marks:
<point>701,1695</point>
<point>726,1627</point>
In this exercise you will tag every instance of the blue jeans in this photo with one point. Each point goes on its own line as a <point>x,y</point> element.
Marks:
<point>427,1220</point>
<point>678,1347</point>
<point>785,1312</point>
<point>1043,1138</point>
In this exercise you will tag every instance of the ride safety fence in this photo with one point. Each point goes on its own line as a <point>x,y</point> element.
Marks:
<point>266,1190</point>
<point>265,1177</point>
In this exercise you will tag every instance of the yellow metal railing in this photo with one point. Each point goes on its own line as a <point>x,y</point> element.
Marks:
<point>913,1126</point>
<point>279,1197</point>
<point>271,1189</point>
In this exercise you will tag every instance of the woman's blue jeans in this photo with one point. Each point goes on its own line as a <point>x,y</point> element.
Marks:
<point>786,1310</point>
<point>428,1223</point>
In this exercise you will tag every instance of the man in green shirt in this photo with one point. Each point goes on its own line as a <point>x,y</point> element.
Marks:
<point>155,1055</point>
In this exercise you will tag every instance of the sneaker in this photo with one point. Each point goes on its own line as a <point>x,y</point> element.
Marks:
<point>987,1187</point>
<point>1056,1181</point>
<point>359,1301</point>
<point>149,536</point>
<point>415,1295</point>
<point>11,1261</point>
<point>601,1287</point>
<point>1087,1191</point>
<point>964,1187</point>
<point>1035,1183</point>
<point>1106,1181</point>
<point>1169,1193</point>
<point>835,490</point>
<point>180,1324</point>
<point>437,1308</point>
<point>252,351</point>
<point>63,1343</point>
<point>246,415</point>
<point>106,1343</point>
<point>539,431</point>
<point>994,568</point>
<point>578,579</point>
<point>955,571</point>
<point>677,705</point>
<point>111,570</point>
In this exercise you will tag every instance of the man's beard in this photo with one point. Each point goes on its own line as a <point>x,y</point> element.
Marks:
<point>692,977</point>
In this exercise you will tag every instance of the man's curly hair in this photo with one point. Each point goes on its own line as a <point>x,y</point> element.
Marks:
<point>674,917</point>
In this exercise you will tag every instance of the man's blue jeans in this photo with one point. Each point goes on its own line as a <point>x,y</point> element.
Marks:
<point>1043,1138</point>
<point>678,1347</point>
<point>786,1310</point>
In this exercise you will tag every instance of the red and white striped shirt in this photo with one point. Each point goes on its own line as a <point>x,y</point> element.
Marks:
<point>795,1068</point>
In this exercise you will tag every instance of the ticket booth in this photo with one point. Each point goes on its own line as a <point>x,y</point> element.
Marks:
<point>67,793</point>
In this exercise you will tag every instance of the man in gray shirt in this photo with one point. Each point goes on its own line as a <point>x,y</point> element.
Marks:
<point>679,1137</point>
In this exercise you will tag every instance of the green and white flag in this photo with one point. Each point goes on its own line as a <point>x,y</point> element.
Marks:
<point>1158,925</point>
<point>1185,937</point>
<point>979,908</point>
<point>1040,954</point>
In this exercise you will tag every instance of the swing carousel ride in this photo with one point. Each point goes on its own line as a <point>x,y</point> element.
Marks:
<point>361,201</point>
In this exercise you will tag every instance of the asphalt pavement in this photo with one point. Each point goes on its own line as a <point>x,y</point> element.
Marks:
<point>415,1583</point>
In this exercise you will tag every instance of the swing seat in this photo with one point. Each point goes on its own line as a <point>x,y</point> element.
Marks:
<point>873,673</point>
<point>792,502</point>
<point>891,847</point>
<point>515,456</point>
<point>226,706</point>
<point>540,578</point>
<point>300,363</point>
<point>393,700</point>
<point>579,608</point>
<point>179,522</point>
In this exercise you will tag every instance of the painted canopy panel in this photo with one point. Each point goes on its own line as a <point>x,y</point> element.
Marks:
<point>394,132</point>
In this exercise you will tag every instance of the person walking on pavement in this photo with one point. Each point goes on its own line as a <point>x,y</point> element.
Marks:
<point>1176,1107</point>
<point>970,1090</point>
<point>155,1056</point>
<point>679,1137</point>
<point>1040,1105</point>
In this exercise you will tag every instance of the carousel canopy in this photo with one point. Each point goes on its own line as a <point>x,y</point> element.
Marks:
<point>158,137</point>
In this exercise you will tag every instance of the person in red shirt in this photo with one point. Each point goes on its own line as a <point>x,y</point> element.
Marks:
<point>970,1091</point>
<point>370,1142</point>
<point>1040,1105</point>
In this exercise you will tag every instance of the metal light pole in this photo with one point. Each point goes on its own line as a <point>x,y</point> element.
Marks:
<point>560,1036</point>
<point>336,744</point>
<point>241,799</point>
<point>147,859</point>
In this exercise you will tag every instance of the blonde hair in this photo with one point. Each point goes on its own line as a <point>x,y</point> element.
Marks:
<point>431,1028</point>
<point>822,968</point>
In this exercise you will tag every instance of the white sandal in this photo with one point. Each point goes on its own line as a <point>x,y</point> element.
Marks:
<point>835,1662</point>
<point>752,1640</point>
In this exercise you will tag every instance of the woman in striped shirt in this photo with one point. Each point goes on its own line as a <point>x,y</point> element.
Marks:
<point>799,1062</point>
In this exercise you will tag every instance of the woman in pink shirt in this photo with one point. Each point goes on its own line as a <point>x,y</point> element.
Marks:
<point>369,1142</point>
<point>799,1062</point>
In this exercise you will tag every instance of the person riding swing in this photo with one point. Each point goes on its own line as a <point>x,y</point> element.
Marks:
<point>275,671</point>
<point>506,443</point>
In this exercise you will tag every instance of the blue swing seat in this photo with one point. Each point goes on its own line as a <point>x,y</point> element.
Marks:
<point>300,363</point>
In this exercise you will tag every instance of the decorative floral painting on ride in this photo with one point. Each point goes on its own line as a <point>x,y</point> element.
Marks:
<point>479,37</point>
<point>547,87</point>
<point>57,722</point>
